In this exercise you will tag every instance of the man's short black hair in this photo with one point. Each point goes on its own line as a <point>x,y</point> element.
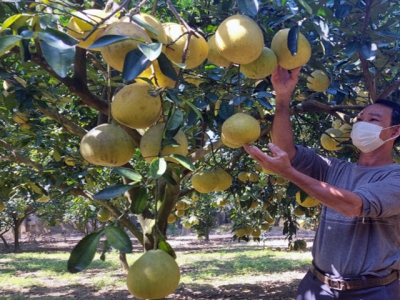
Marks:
<point>395,112</point>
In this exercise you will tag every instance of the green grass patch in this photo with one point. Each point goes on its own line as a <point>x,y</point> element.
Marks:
<point>44,273</point>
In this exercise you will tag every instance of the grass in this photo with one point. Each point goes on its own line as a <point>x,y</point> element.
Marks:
<point>22,276</point>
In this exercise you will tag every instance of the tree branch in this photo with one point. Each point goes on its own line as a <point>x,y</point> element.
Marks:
<point>67,124</point>
<point>19,157</point>
<point>205,150</point>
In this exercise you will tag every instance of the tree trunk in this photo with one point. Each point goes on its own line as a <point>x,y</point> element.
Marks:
<point>123,261</point>
<point>4,241</point>
<point>17,224</point>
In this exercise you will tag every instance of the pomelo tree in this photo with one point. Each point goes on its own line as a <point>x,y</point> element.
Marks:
<point>57,88</point>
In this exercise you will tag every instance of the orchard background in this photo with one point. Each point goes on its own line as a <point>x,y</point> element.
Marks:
<point>54,92</point>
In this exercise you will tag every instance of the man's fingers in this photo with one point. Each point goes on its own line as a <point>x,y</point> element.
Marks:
<point>276,151</point>
<point>295,72</point>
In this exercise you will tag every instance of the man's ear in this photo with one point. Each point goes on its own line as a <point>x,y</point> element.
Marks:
<point>397,131</point>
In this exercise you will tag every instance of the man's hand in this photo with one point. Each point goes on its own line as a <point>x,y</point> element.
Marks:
<point>279,163</point>
<point>283,82</point>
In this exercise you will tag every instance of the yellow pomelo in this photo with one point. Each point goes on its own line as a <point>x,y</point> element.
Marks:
<point>214,56</point>
<point>21,117</point>
<point>43,199</point>
<point>285,58</point>
<point>154,70</point>
<point>254,204</point>
<point>82,23</point>
<point>248,229</point>
<point>346,129</point>
<point>239,39</point>
<point>243,176</point>
<point>265,226</point>
<point>154,23</point>
<point>337,123</point>
<point>26,126</point>
<point>114,54</point>
<point>180,213</point>
<point>180,205</point>
<point>204,181</point>
<point>2,206</point>
<point>240,232</point>
<point>280,180</point>
<point>193,79</point>
<point>150,144</point>
<point>302,244</point>
<point>221,201</point>
<point>263,66</point>
<point>103,215</point>
<point>186,224</point>
<point>154,275</point>
<point>254,177</point>
<point>107,145</point>
<point>269,172</point>
<point>197,50</point>
<point>299,211</point>
<point>134,107</point>
<point>331,139</point>
<point>228,144</point>
<point>223,178</point>
<point>241,129</point>
<point>258,168</point>
<point>269,218</point>
<point>319,81</point>
<point>171,218</point>
<point>256,232</point>
<point>308,202</point>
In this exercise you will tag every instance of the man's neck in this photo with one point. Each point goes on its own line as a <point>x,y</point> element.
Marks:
<point>376,158</point>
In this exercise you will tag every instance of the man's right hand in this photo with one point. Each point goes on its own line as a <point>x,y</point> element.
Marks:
<point>284,82</point>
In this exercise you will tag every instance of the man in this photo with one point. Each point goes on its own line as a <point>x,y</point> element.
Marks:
<point>356,252</point>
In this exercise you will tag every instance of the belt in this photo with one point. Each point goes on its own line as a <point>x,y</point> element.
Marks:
<point>353,284</point>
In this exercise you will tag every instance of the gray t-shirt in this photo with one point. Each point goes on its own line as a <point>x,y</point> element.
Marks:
<point>364,245</point>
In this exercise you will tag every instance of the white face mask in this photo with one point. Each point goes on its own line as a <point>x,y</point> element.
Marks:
<point>365,136</point>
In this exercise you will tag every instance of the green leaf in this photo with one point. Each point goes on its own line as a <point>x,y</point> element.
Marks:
<point>118,239</point>
<point>369,50</point>
<point>351,48</point>
<point>57,38</point>
<point>166,67</point>
<point>58,50</point>
<point>139,201</point>
<point>292,39</point>
<point>292,189</point>
<point>163,245</point>
<point>15,21</point>
<point>112,192</point>
<point>7,42</point>
<point>108,39</point>
<point>306,6</point>
<point>152,51</point>
<point>158,167</point>
<point>184,161</point>
<point>10,102</point>
<point>135,63</point>
<point>143,24</point>
<point>175,121</point>
<point>59,59</point>
<point>128,173</point>
<point>248,7</point>
<point>169,178</point>
<point>83,253</point>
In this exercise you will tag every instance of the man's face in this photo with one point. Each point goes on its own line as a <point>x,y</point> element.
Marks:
<point>379,115</point>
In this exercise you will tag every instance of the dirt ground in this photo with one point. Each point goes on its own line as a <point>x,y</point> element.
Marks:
<point>262,288</point>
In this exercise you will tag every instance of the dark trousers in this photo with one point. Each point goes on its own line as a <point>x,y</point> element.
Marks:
<point>310,288</point>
